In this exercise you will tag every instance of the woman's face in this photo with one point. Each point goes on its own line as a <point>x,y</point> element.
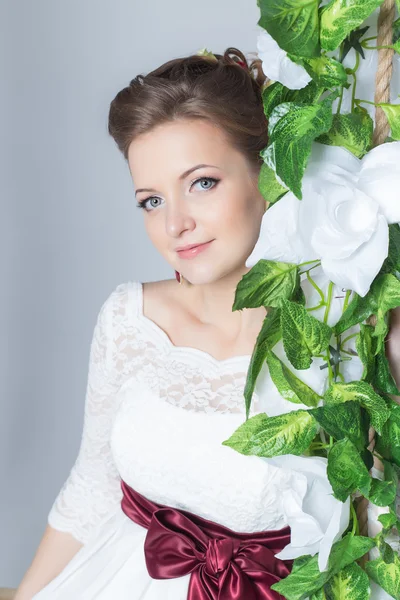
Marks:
<point>224,204</point>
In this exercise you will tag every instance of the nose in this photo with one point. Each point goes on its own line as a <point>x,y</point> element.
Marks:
<point>178,220</point>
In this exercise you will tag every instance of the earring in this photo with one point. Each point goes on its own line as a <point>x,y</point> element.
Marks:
<point>178,277</point>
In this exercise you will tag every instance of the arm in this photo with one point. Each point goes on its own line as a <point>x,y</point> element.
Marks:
<point>55,550</point>
<point>92,488</point>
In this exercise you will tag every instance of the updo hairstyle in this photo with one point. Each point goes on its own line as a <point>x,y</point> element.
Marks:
<point>225,90</point>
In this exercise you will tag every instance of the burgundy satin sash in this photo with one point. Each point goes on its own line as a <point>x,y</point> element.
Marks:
<point>224,565</point>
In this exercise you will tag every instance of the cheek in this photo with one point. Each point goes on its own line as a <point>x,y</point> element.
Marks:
<point>155,231</point>
<point>242,212</point>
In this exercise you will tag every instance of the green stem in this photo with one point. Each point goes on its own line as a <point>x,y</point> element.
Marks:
<point>358,101</point>
<point>353,93</point>
<point>310,268</point>
<point>330,370</point>
<point>349,337</point>
<point>339,106</point>
<point>346,300</point>
<point>310,262</point>
<point>320,445</point>
<point>355,526</point>
<point>377,455</point>
<point>316,307</point>
<point>328,302</point>
<point>316,287</point>
<point>374,37</point>
<point>376,47</point>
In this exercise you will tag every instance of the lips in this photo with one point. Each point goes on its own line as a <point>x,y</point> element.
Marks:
<point>194,250</point>
<point>190,246</point>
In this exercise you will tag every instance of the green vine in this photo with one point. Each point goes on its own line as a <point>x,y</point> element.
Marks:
<point>336,425</point>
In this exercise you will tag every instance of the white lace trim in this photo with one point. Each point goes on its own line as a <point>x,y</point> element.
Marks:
<point>125,343</point>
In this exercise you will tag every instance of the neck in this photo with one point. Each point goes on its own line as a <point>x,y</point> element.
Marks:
<point>211,304</point>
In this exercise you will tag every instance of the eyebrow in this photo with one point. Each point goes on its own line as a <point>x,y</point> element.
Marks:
<point>185,174</point>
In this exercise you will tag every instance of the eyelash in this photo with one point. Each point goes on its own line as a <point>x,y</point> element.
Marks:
<point>141,203</point>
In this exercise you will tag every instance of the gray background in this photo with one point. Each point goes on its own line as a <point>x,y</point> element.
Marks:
<point>70,230</point>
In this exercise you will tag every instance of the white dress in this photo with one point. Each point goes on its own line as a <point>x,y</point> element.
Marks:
<point>155,416</point>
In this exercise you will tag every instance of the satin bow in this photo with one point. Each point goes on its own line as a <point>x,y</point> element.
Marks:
<point>224,565</point>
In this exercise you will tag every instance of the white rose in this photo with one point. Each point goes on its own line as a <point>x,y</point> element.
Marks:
<point>342,219</point>
<point>277,65</point>
<point>316,518</point>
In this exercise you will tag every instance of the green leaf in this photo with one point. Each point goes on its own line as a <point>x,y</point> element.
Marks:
<point>385,571</point>
<point>389,520</point>
<point>304,336</point>
<point>306,579</point>
<point>383,295</point>
<point>276,93</point>
<point>340,17</point>
<point>265,436</point>
<point>376,365</point>
<point>392,262</point>
<point>351,583</point>
<point>343,421</point>
<point>388,443</point>
<point>289,386</point>
<point>392,112</point>
<point>383,493</point>
<point>299,296</point>
<point>266,284</point>
<point>348,550</point>
<point>383,379</point>
<point>326,72</point>
<point>318,595</point>
<point>292,129</point>
<point>364,394</point>
<point>396,26</point>
<point>269,186</point>
<point>269,335</point>
<point>294,24</point>
<point>346,470</point>
<point>365,346</point>
<point>352,131</point>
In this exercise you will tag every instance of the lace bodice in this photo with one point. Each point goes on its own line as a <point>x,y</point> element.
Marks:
<point>156,415</point>
<point>128,346</point>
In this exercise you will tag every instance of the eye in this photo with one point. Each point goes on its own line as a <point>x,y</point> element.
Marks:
<point>143,203</point>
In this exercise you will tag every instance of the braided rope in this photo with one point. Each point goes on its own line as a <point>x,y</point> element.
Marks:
<point>381,131</point>
<point>384,70</point>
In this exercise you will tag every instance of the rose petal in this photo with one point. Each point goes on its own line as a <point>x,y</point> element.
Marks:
<point>336,527</point>
<point>358,271</point>
<point>280,238</point>
<point>325,513</point>
<point>292,75</point>
<point>380,178</point>
<point>277,65</point>
<point>351,219</point>
<point>331,163</point>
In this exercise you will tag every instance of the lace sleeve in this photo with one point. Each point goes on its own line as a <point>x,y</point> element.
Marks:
<point>92,488</point>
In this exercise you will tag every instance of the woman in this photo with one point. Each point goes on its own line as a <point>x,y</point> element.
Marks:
<point>168,365</point>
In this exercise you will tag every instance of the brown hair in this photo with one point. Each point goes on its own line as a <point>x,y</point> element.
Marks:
<point>224,90</point>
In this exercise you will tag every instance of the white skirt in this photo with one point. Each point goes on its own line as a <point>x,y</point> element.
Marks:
<point>111,566</point>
